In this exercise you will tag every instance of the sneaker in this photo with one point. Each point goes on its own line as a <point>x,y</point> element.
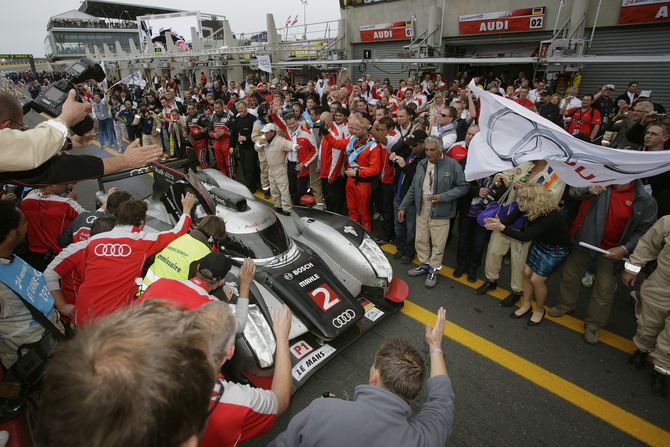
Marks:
<point>376,216</point>
<point>397,255</point>
<point>407,260</point>
<point>587,280</point>
<point>320,206</point>
<point>558,311</point>
<point>591,336</point>
<point>458,273</point>
<point>431,280</point>
<point>420,270</point>
<point>381,218</point>
<point>638,304</point>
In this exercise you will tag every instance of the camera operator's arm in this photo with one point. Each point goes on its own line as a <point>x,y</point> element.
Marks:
<point>132,157</point>
<point>30,149</point>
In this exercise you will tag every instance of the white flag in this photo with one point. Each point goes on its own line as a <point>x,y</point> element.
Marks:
<point>264,63</point>
<point>510,135</point>
<point>134,79</point>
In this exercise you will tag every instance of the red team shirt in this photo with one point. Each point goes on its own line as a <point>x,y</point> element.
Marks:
<point>47,216</point>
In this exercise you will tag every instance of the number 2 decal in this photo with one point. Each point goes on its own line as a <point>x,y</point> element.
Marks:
<point>324,297</point>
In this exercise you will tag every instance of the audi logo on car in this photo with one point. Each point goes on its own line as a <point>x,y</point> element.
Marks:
<point>115,250</point>
<point>344,318</point>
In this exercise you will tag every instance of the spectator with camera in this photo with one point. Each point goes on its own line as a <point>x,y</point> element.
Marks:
<point>396,377</point>
<point>148,122</point>
<point>584,120</point>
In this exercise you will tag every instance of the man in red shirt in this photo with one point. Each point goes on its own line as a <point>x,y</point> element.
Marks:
<point>585,120</point>
<point>48,215</point>
<point>240,412</point>
<point>627,212</point>
<point>387,136</point>
<point>459,150</point>
<point>362,165</point>
<point>523,100</point>
<point>114,260</point>
<point>331,162</point>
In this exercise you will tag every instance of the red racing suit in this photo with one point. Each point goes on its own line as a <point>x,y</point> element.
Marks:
<point>198,129</point>
<point>65,272</point>
<point>386,172</point>
<point>189,294</point>
<point>365,156</point>
<point>221,144</point>
<point>113,260</point>
<point>331,158</point>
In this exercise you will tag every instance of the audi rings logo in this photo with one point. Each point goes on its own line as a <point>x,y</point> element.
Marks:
<point>288,276</point>
<point>115,250</point>
<point>344,318</point>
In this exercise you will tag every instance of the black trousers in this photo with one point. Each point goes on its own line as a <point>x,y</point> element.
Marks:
<point>297,186</point>
<point>337,194</point>
<point>249,161</point>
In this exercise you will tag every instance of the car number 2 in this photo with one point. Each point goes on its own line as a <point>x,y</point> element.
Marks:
<point>324,297</point>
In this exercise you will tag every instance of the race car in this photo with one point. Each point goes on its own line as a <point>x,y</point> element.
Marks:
<point>325,267</point>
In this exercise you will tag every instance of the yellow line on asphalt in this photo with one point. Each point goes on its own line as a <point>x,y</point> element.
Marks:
<point>610,413</point>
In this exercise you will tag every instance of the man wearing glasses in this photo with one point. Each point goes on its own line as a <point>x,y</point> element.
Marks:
<point>444,126</point>
<point>624,120</point>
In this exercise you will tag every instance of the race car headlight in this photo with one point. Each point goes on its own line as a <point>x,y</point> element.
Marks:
<point>376,258</point>
<point>260,337</point>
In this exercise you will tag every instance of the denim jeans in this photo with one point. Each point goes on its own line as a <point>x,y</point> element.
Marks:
<point>405,232</point>
<point>471,241</point>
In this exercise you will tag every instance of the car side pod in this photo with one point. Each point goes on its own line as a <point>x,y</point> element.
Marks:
<point>398,291</point>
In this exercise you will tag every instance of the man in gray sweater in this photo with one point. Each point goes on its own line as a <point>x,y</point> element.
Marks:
<point>396,378</point>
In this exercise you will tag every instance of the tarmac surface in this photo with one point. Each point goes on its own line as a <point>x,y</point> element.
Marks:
<point>514,384</point>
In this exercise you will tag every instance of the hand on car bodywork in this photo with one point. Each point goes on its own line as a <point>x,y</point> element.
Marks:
<point>281,325</point>
<point>246,276</point>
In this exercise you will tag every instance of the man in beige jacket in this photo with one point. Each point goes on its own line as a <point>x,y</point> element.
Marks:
<point>275,149</point>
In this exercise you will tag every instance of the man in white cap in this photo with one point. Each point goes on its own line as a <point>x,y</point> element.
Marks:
<point>275,153</point>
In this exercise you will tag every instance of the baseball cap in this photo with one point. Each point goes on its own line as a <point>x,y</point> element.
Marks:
<point>544,92</point>
<point>645,94</point>
<point>214,266</point>
<point>360,80</point>
<point>610,86</point>
<point>375,102</point>
<point>419,136</point>
<point>268,127</point>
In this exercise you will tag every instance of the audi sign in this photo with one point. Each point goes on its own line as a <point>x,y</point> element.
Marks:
<point>115,250</point>
<point>344,318</point>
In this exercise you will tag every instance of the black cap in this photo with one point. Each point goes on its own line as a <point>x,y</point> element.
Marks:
<point>214,266</point>
<point>544,92</point>
<point>419,136</point>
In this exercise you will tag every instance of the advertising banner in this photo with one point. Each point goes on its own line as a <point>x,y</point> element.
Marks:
<point>644,11</point>
<point>387,31</point>
<point>526,19</point>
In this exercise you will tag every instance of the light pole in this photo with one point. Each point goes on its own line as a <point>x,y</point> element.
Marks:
<point>304,15</point>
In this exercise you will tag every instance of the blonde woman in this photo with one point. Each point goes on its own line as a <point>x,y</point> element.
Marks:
<point>435,105</point>
<point>545,226</point>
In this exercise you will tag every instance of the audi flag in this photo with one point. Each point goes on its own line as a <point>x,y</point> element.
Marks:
<point>510,135</point>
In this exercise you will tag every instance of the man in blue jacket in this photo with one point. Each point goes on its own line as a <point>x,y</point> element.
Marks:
<point>396,378</point>
<point>437,184</point>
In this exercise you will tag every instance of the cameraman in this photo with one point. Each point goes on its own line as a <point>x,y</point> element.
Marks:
<point>29,156</point>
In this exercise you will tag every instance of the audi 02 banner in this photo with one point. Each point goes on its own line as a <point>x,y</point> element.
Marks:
<point>510,135</point>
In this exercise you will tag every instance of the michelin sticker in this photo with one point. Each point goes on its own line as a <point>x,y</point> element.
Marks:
<point>308,363</point>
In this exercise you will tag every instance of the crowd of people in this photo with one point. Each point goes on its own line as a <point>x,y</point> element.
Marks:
<point>365,149</point>
<point>85,23</point>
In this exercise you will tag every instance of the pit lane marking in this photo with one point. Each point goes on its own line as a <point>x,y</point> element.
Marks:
<point>608,412</point>
<point>568,321</point>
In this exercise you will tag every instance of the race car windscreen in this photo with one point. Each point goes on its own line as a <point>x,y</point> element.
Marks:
<point>195,183</point>
<point>262,244</point>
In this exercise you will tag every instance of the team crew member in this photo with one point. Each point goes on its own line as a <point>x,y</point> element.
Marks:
<point>523,100</point>
<point>198,128</point>
<point>385,134</point>
<point>179,259</point>
<point>331,161</point>
<point>210,275</point>
<point>64,274</point>
<point>275,148</point>
<point>362,165</point>
<point>297,162</point>
<point>244,412</point>
<point>80,228</point>
<point>48,215</point>
<point>114,260</point>
<point>219,132</point>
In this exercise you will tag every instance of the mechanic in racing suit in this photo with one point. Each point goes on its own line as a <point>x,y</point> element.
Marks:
<point>114,260</point>
<point>219,132</point>
<point>64,274</point>
<point>363,159</point>
<point>331,163</point>
<point>198,131</point>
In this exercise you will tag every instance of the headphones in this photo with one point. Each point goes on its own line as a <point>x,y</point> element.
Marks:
<point>211,238</point>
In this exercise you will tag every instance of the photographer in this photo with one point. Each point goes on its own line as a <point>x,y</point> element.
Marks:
<point>149,123</point>
<point>50,136</point>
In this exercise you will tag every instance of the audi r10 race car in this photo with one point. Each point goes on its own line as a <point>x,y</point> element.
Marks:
<point>327,268</point>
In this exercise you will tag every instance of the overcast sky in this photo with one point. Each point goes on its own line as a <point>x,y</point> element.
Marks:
<point>23,25</point>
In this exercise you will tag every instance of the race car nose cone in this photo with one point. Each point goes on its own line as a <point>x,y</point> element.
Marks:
<point>399,290</point>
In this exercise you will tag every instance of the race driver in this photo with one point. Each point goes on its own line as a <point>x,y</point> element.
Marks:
<point>363,159</point>
<point>113,260</point>
<point>219,131</point>
<point>198,129</point>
